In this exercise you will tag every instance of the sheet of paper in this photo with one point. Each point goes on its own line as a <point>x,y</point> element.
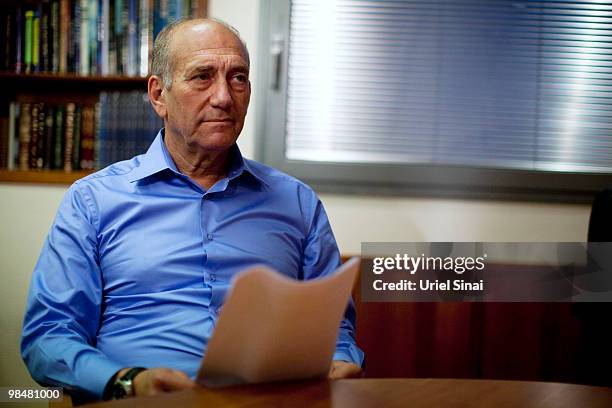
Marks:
<point>273,328</point>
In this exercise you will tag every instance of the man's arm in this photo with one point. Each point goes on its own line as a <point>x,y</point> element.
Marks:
<point>64,310</point>
<point>64,305</point>
<point>321,257</point>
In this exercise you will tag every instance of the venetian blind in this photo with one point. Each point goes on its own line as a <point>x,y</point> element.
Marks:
<point>494,83</point>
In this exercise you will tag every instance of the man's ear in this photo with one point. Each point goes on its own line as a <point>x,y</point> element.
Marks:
<point>155,87</point>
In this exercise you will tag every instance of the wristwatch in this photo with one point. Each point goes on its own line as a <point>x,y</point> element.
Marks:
<point>123,387</point>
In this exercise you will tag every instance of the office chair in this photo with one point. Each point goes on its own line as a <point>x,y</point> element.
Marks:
<point>595,354</point>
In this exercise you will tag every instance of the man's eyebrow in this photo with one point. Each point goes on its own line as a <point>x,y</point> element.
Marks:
<point>240,68</point>
<point>201,69</point>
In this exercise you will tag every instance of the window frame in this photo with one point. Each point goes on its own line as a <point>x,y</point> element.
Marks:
<point>423,180</point>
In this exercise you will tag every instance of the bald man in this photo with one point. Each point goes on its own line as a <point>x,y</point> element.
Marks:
<point>133,274</point>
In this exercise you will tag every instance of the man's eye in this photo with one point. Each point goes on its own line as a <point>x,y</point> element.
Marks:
<point>203,77</point>
<point>240,78</point>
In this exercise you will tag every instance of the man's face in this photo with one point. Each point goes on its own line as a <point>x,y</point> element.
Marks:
<point>206,105</point>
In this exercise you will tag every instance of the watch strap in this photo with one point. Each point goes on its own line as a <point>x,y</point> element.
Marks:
<point>121,387</point>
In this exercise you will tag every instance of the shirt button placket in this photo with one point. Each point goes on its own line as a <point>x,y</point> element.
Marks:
<point>203,228</point>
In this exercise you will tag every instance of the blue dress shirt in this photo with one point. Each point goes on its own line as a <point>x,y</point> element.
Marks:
<point>139,259</point>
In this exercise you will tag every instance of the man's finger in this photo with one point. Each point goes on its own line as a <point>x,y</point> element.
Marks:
<point>174,380</point>
<point>342,369</point>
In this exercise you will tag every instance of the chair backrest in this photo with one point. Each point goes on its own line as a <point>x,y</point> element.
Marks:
<point>600,224</point>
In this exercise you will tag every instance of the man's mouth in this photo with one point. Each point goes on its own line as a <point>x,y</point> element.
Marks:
<point>220,120</point>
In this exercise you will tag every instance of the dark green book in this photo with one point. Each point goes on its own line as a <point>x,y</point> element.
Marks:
<point>76,146</point>
<point>49,145</point>
<point>58,150</point>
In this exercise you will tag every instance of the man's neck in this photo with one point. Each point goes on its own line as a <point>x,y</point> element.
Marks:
<point>205,168</point>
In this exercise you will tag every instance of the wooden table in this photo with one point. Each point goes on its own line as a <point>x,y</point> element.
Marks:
<point>381,393</point>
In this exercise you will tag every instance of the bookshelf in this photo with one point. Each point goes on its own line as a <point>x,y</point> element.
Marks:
<point>47,74</point>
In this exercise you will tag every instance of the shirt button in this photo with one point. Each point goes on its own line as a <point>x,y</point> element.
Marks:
<point>210,237</point>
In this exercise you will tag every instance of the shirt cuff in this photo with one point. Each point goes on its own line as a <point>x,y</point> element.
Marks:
<point>96,376</point>
<point>351,355</point>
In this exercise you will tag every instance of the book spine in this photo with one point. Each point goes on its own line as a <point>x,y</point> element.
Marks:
<point>55,36</point>
<point>105,124</point>
<point>58,140</point>
<point>145,32</point>
<point>19,40</point>
<point>45,36</point>
<point>27,53</point>
<point>4,141</point>
<point>69,137</point>
<point>123,44</point>
<point>103,37</point>
<point>112,39</point>
<point>49,137</point>
<point>40,140</point>
<point>5,14</point>
<point>87,135</point>
<point>96,137</point>
<point>92,10</point>
<point>76,147</point>
<point>33,135</point>
<point>64,28</point>
<point>157,22</point>
<point>13,147</point>
<point>132,38</point>
<point>25,119</point>
<point>178,9</point>
<point>74,55</point>
<point>36,40</point>
<point>84,38</point>
<point>195,8</point>
<point>9,37</point>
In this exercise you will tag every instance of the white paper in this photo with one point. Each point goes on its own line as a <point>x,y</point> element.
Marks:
<point>273,328</point>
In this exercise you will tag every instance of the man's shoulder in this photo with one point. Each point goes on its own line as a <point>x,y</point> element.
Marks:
<point>113,172</point>
<point>274,177</point>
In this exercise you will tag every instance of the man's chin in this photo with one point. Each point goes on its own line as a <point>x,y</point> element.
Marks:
<point>216,143</point>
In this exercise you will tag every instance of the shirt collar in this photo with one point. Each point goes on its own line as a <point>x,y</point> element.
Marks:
<point>158,159</point>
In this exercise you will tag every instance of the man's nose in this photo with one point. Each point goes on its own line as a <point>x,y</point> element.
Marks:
<point>221,97</point>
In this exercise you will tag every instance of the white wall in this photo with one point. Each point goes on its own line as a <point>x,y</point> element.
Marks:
<point>27,211</point>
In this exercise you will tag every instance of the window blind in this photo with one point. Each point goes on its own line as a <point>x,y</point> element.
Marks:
<point>493,83</point>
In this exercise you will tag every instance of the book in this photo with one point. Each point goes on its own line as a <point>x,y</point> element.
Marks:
<point>92,17</point>
<point>69,137</point>
<point>13,142</point>
<point>40,139</point>
<point>96,136</point>
<point>145,40</point>
<point>49,137</point>
<point>55,36</point>
<point>76,146</point>
<point>19,40</point>
<point>84,38</point>
<point>27,52</point>
<point>132,44</point>
<point>36,40</point>
<point>64,35</point>
<point>103,37</point>
<point>58,138</point>
<point>33,154</point>
<point>45,36</point>
<point>87,138</point>
<point>4,141</point>
<point>25,119</point>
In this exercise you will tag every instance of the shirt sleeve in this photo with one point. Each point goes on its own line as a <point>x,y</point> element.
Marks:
<point>321,258</point>
<point>64,305</point>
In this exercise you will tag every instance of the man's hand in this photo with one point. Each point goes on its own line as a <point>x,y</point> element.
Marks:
<point>342,369</point>
<point>159,380</point>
